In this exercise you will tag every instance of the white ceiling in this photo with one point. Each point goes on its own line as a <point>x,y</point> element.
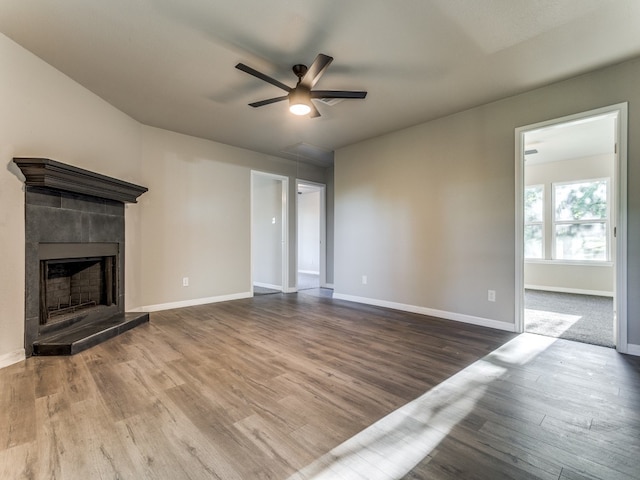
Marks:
<point>577,139</point>
<point>170,63</point>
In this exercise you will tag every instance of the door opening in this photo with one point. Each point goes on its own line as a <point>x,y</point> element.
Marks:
<point>571,227</point>
<point>311,235</point>
<point>269,247</point>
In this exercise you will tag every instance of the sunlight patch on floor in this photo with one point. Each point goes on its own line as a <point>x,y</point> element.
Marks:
<point>555,322</point>
<point>394,445</point>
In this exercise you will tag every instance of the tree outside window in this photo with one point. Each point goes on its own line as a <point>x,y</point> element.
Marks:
<point>581,220</point>
<point>534,222</point>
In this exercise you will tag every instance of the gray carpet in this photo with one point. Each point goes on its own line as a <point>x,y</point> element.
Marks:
<point>582,318</point>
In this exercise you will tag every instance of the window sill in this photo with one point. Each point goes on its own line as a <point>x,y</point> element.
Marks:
<point>573,263</point>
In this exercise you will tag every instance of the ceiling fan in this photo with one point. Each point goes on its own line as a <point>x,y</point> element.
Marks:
<point>300,96</point>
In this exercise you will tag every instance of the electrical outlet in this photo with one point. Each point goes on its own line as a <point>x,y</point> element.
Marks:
<point>364,279</point>
<point>491,295</point>
<point>185,281</point>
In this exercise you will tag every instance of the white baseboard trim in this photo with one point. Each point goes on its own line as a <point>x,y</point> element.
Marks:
<point>633,349</point>
<point>328,285</point>
<point>267,285</point>
<point>459,317</point>
<point>192,303</point>
<point>578,291</point>
<point>10,358</point>
<point>310,272</point>
<point>290,290</point>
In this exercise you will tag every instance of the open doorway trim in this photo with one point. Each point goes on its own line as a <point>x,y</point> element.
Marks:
<point>323,229</point>
<point>284,223</point>
<point>619,222</point>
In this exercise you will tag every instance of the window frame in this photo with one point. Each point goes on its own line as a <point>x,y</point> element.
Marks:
<point>606,221</point>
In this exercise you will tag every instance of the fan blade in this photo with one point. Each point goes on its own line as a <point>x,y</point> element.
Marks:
<point>316,70</point>
<point>262,76</point>
<point>314,111</point>
<point>337,94</point>
<point>269,101</point>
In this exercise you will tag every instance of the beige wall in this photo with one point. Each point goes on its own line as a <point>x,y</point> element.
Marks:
<point>329,226</point>
<point>45,114</point>
<point>194,221</point>
<point>588,278</point>
<point>424,217</point>
<point>427,213</point>
<point>196,217</point>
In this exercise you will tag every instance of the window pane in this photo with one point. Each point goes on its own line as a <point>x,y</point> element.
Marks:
<point>533,206</point>
<point>533,241</point>
<point>583,241</point>
<point>581,201</point>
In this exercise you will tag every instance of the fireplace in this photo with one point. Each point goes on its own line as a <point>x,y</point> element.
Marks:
<point>74,257</point>
<point>72,286</point>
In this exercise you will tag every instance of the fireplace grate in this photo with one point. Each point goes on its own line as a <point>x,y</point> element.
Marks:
<point>70,306</point>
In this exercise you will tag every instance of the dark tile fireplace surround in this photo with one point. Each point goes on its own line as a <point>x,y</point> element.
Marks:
<point>74,257</point>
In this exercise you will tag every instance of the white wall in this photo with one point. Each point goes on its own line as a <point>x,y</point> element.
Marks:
<point>309,232</point>
<point>558,276</point>
<point>428,212</point>
<point>194,221</point>
<point>266,232</point>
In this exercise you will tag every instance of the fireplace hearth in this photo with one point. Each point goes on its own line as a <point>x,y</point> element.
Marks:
<point>74,257</point>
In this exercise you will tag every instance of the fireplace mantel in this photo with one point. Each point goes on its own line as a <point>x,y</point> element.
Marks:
<point>44,172</point>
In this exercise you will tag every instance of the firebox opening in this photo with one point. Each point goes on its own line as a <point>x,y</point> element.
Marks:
<point>70,287</point>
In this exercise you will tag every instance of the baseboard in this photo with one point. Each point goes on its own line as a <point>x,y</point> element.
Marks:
<point>290,290</point>
<point>633,349</point>
<point>11,358</point>
<point>192,303</point>
<point>577,291</point>
<point>328,285</point>
<point>267,285</point>
<point>309,272</point>
<point>458,317</point>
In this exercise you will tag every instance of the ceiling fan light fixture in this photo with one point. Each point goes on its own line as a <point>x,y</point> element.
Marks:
<point>299,102</point>
<point>299,109</point>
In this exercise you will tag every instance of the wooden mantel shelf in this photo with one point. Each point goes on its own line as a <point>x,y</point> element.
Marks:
<point>44,172</point>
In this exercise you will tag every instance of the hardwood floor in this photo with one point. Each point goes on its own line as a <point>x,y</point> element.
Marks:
<point>300,386</point>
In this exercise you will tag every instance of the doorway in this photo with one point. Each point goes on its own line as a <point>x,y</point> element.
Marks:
<point>311,235</point>
<point>571,224</point>
<point>269,248</point>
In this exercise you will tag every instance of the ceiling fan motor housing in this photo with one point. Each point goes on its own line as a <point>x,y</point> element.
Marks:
<point>299,70</point>
<point>300,94</point>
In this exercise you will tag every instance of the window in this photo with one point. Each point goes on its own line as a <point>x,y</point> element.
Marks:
<point>533,222</point>
<point>581,220</point>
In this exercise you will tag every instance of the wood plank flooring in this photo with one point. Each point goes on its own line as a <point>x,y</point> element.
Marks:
<point>305,387</point>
